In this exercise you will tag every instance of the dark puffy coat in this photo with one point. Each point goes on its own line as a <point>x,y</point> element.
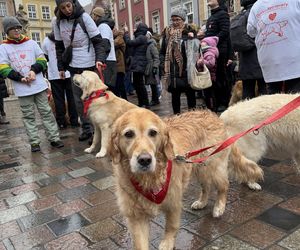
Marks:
<point>249,67</point>
<point>176,80</point>
<point>3,88</point>
<point>218,25</point>
<point>138,47</point>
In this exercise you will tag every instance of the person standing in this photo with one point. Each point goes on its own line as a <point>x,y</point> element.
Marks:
<point>88,50</point>
<point>274,24</point>
<point>104,26</point>
<point>61,88</point>
<point>3,94</point>
<point>23,61</point>
<point>138,47</point>
<point>173,60</point>
<point>218,25</point>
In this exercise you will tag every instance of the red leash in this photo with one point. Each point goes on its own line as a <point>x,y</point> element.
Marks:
<point>274,117</point>
<point>100,68</point>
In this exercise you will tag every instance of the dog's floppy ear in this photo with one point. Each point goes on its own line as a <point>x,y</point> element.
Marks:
<point>168,150</point>
<point>113,148</point>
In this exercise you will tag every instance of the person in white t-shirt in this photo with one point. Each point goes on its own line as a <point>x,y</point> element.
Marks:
<point>61,88</point>
<point>23,61</point>
<point>105,26</point>
<point>88,51</point>
<point>275,26</point>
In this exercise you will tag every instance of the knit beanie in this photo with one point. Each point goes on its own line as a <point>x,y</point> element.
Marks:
<point>99,11</point>
<point>59,2</point>
<point>180,12</point>
<point>10,22</point>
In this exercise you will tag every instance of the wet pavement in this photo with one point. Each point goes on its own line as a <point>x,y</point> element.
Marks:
<point>64,199</point>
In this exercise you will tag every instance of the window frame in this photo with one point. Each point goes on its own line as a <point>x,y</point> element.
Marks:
<point>122,4</point>
<point>33,33</point>
<point>3,11</point>
<point>45,13</point>
<point>154,24</point>
<point>31,12</point>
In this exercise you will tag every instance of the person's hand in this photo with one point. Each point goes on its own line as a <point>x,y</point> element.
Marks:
<point>191,34</point>
<point>31,76</point>
<point>200,62</point>
<point>154,71</point>
<point>62,75</point>
<point>25,80</point>
<point>99,65</point>
<point>229,62</point>
<point>125,28</point>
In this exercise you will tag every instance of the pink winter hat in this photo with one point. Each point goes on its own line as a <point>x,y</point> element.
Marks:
<point>211,40</point>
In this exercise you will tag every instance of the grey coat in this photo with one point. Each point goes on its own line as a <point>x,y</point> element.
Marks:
<point>152,56</point>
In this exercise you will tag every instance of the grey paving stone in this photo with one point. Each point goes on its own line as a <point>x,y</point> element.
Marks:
<point>21,199</point>
<point>35,177</point>
<point>75,193</point>
<point>104,183</point>
<point>13,214</point>
<point>54,179</point>
<point>291,242</point>
<point>85,157</point>
<point>81,172</point>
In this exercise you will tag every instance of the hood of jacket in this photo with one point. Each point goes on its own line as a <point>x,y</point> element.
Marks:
<point>77,12</point>
<point>141,30</point>
<point>211,41</point>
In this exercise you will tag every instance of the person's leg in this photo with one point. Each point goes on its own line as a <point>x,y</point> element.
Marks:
<point>261,86</point>
<point>110,75</point>
<point>248,89</point>
<point>58,93</point>
<point>292,86</point>
<point>210,100</point>
<point>28,112</point>
<point>138,83</point>
<point>120,85</point>
<point>154,92</point>
<point>176,101</point>
<point>47,116</point>
<point>221,95</point>
<point>2,112</point>
<point>274,87</point>
<point>191,98</point>
<point>71,102</point>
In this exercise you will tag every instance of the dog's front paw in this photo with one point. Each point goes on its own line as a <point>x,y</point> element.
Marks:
<point>89,150</point>
<point>218,211</point>
<point>101,154</point>
<point>198,205</point>
<point>166,245</point>
<point>254,186</point>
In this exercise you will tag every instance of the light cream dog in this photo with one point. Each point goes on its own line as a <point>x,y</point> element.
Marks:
<point>279,140</point>
<point>142,143</point>
<point>102,111</point>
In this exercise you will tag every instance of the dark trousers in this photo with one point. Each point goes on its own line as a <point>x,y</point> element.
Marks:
<point>223,88</point>
<point>110,75</point>
<point>120,86</point>
<point>249,87</point>
<point>288,86</point>
<point>141,92</point>
<point>190,95</point>
<point>2,113</point>
<point>61,89</point>
<point>154,92</point>
<point>210,98</point>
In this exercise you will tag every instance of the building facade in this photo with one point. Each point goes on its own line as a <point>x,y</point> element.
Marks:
<point>7,8</point>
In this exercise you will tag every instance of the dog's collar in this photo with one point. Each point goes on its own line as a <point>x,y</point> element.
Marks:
<point>155,196</point>
<point>88,100</point>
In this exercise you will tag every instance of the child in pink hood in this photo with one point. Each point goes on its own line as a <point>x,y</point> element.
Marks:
<point>210,54</point>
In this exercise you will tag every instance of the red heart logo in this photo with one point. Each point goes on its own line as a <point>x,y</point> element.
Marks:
<point>272,16</point>
<point>23,56</point>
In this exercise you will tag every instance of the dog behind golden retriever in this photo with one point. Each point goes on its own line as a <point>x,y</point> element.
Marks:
<point>103,111</point>
<point>141,145</point>
<point>279,140</point>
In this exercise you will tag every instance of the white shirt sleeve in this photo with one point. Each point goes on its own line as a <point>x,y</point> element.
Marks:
<point>56,30</point>
<point>251,24</point>
<point>105,30</point>
<point>90,25</point>
<point>44,46</point>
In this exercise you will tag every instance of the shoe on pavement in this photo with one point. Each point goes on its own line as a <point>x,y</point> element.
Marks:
<point>57,144</point>
<point>84,136</point>
<point>154,103</point>
<point>35,147</point>
<point>3,120</point>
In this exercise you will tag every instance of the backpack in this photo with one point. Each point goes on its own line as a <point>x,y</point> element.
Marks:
<point>240,40</point>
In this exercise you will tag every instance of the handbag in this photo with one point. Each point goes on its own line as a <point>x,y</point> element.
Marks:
<point>68,52</point>
<point>200,80</point>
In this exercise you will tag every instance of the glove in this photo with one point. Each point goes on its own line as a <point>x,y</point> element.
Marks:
<point>154,71</point>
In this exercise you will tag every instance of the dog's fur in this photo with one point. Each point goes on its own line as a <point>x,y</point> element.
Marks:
<point>140,135</point>
<point>279,140</point>
<point>102,111</point>
<point>237,92</point>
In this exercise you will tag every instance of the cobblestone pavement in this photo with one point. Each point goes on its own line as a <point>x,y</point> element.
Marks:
<point>64,199</point>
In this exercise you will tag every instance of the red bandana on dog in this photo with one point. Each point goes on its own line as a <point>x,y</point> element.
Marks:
<point>87,102</point>
<point>157,196</point>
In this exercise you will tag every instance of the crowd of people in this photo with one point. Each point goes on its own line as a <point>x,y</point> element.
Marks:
<point>80,41</point>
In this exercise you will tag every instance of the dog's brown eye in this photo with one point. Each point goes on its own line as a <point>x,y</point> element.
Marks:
<point>129,134</point>
<point>152,133</point>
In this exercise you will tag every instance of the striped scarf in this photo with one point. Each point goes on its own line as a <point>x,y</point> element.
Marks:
<point>174,45</point>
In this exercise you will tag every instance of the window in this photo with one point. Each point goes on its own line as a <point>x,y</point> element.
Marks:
<point>3,9</point>
<point>122,4</point>
<point>137,21</point>
<point>4,36</point>
<point>136,1</point>
<point>46,12</point>
<point>156,22</point>
<point>32,11</point>
<point>190,15</point>
<point>36,37</point>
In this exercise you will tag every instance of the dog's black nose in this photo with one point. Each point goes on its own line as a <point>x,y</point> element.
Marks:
<point>144,159</point>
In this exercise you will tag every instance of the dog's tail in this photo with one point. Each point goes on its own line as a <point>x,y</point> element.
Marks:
<point>243,169</point>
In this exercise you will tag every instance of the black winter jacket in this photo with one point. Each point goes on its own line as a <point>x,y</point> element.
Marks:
<point>218,24</point>
<point>249,67</point>
<point>138,47</point>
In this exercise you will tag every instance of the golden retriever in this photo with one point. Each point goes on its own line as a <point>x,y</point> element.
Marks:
<point>279,140</point>
<point>103,111</point>
<point>141,145</point>
<point>237,92</point>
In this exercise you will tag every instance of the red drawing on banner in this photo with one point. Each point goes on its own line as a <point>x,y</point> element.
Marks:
<point>23,56</point>
<point>272,16</point>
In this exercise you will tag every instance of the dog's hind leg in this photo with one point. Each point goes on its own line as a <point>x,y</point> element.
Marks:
<point>139,229</point>
<point>96,140</point>
<point>105,135</point>
<point>171,228</point>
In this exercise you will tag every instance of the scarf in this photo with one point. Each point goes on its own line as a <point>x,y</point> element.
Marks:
<point>19,41</point>
<point>174,45</point>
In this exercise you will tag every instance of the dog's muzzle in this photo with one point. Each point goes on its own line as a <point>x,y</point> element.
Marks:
<point>144,161</point>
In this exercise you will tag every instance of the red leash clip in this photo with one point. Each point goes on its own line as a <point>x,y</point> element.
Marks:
<point>100,71</point>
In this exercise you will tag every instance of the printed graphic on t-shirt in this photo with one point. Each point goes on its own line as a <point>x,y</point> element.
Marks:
<point>21,60</point>
<point>272,26</point>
